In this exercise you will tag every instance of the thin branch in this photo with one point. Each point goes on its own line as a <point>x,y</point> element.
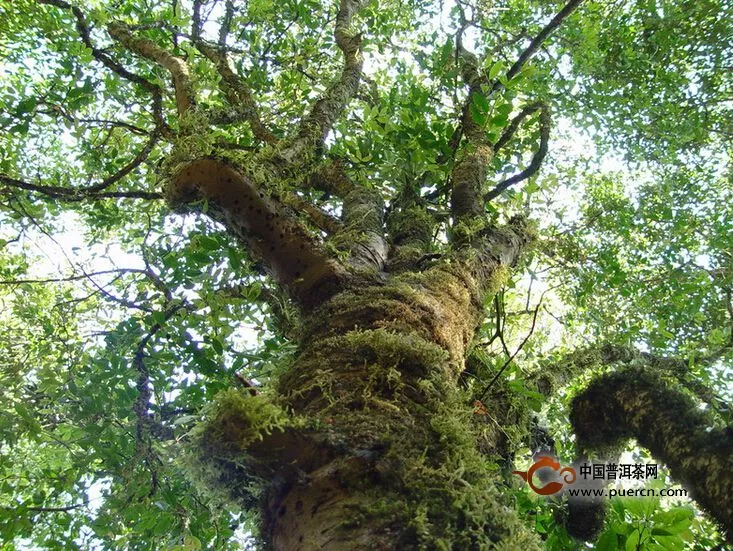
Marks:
<point>75,277</point>
<point>145,423</point>
<point>64,509</point>
<point>237,92</point>
<point>510,130</point>
<point>537,41</point>
<point>72,195</point>
<point>475,80</point>
<point>535,163</point>
<point>511,358</point>
<point>56,109</point>
<point>101,56</point>
<point>127,169</point>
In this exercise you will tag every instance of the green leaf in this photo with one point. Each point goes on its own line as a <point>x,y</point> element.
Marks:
<point>478,116</point>
<point>217,345</point>
<point>504,109</point>
<point>26,105</point>
<point>608,541</point>
<point>495,69</point>
<point>499,121</point>
<point>633,541</point>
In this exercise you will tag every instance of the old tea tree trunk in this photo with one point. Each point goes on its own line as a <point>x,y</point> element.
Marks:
<point>367,441</point>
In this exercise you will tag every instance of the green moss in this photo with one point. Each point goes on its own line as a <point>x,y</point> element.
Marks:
<point>498,279</point>
<point>449,496</point>
<point>466,229</point>
<point>413,225</point>
<point>215,456</point>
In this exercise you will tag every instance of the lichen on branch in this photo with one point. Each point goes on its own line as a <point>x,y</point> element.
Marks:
<point>314,127</point>
<point>150,50</point>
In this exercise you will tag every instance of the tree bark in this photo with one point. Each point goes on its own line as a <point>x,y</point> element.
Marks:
<point>369,442</point>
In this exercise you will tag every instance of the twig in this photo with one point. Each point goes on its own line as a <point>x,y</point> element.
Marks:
<point>511,358</point>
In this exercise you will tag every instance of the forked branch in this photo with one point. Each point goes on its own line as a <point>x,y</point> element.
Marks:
<point>105,59</point>
<point>261,221</point>
<point>316,125</point>
<point>237,92</point>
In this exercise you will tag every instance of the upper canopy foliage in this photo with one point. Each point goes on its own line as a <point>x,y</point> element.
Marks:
<point>121,319</point>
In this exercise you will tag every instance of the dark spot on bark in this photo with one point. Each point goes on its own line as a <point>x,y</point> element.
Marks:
<point>298,506</point>
<point>259,211</point>
<point>282,511</point>
<point>297,274</point>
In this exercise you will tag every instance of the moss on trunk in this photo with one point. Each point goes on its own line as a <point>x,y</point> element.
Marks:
<point>379,446</point>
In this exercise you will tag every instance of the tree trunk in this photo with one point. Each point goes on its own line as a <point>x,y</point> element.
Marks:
<point>373,445</point>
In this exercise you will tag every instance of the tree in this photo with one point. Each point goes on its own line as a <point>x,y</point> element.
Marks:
<point>372,192</point>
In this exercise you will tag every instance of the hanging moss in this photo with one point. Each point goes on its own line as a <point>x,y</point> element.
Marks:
<point>449,495</point>
<point>215,456</point>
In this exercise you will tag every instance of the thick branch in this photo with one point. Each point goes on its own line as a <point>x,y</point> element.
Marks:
<point>150,50</point>
<point>295,259</point>
<point>470,171</point>
<point>411,228</point>
<point>637,403</point>
<point>494,250</point>
<point>363,233</point>
<point>559,372</point>
<point>332,179</point>
<point>226,24</point>
<point>315,126</point>
<point>322,219</point>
